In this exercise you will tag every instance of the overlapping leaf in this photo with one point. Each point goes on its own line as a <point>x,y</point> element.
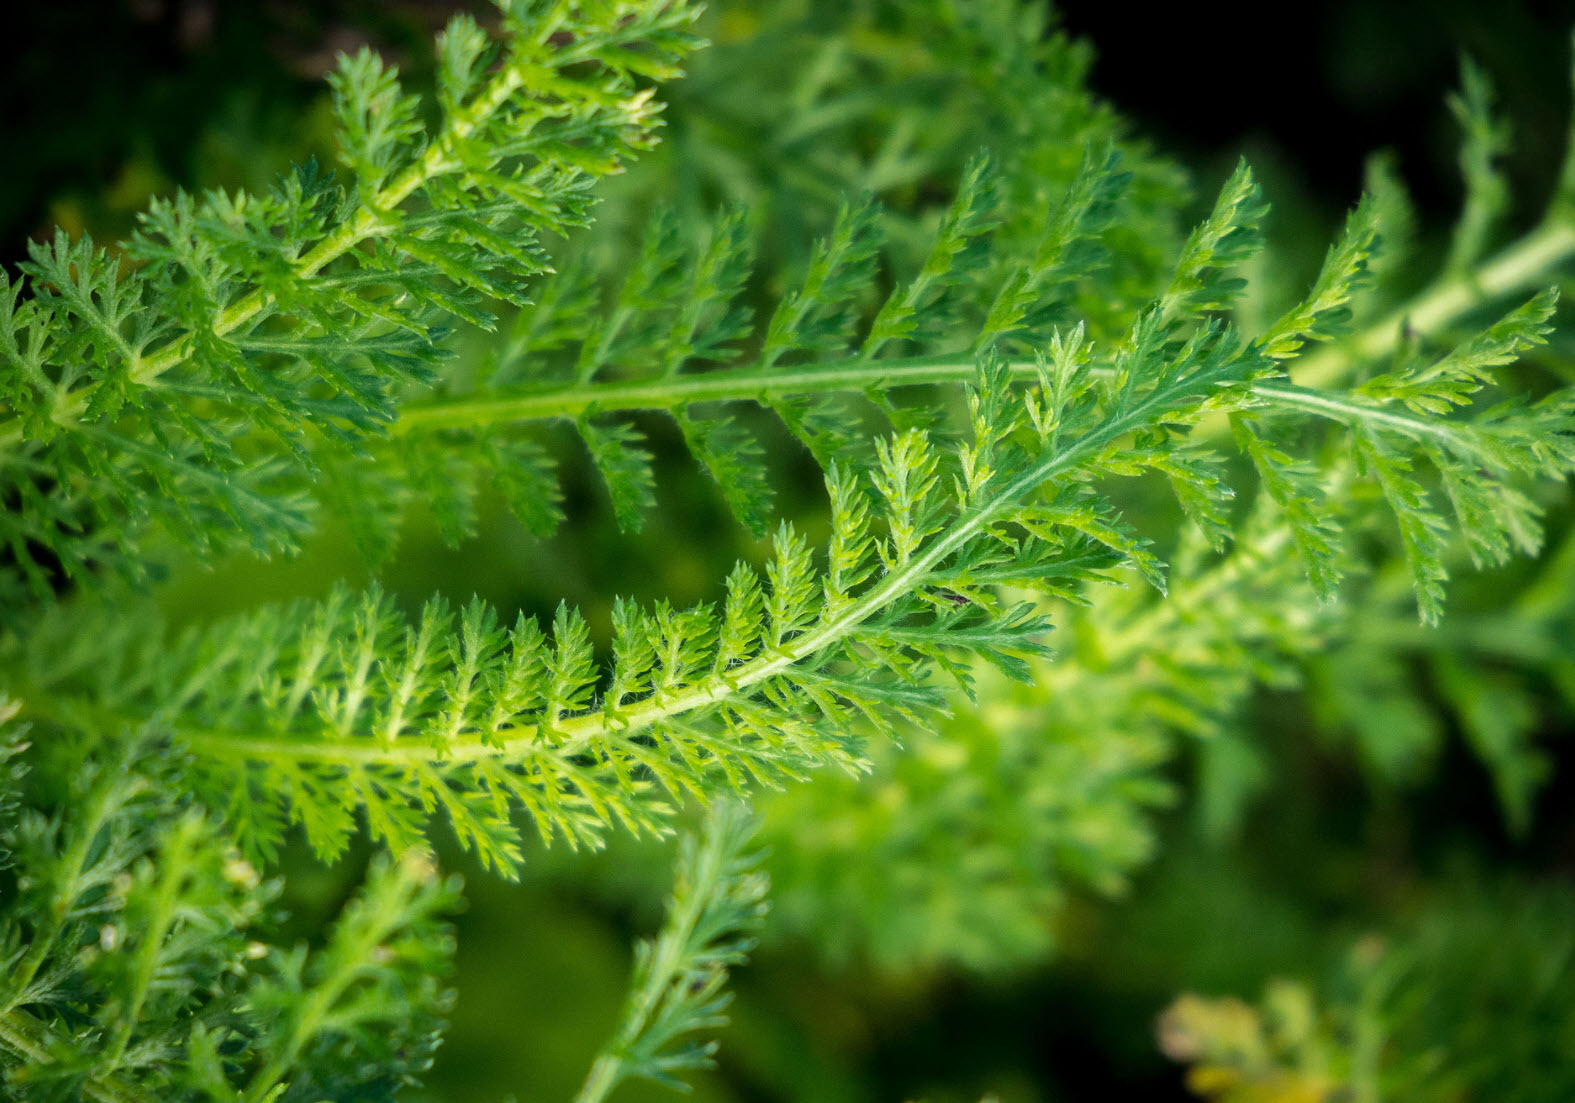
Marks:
<point>253,337</point>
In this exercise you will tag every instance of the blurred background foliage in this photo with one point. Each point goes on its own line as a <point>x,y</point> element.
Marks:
<point>1357,862</point>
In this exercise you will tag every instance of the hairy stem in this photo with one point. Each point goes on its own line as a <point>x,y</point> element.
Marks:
<point>1337,407</point>
<point>1519,267</point>
<point>569,400</point>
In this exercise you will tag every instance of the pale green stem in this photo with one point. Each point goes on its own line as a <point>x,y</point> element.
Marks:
<point>666,963</point>
<point>1520,267</point>
<point>313,1010</point>
<point>571,400</point>
<point>73,862</point>
<point>574,734</point>
<point>1339,408</point>
<point>29,1039</point>
<point>605,1074</point>
<point>171,872</point>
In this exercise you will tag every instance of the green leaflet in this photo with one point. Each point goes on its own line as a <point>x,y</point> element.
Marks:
<point>680,334</point>
<point>254,328</point>
<point>717,903</point>
<point>1451,380</point>
<point>334,709</point>
<point>282,350</point>
<point>143,958</point>
<point>791,672</point>
<point>625,468</point>
<point>1486,139</point>
<point>1226,238</point>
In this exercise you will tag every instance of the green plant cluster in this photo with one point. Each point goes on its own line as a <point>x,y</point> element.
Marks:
<point>1077,492</point>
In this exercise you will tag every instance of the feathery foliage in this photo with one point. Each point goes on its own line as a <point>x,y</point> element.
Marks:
<point>297,317</point>
<point>718,900</point>
<point>315,713</point>
<point>987,822</point>
<point>1371,1028</point>
<point>983,825</point>
<point>142,959</point>
<point>991,389</point>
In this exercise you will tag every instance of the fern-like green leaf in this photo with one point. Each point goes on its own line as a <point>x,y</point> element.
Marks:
<point>718,902</point>
<point>253,329</point>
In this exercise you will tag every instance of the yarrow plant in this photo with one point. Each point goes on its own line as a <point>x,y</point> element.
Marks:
<point>977,386</point>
